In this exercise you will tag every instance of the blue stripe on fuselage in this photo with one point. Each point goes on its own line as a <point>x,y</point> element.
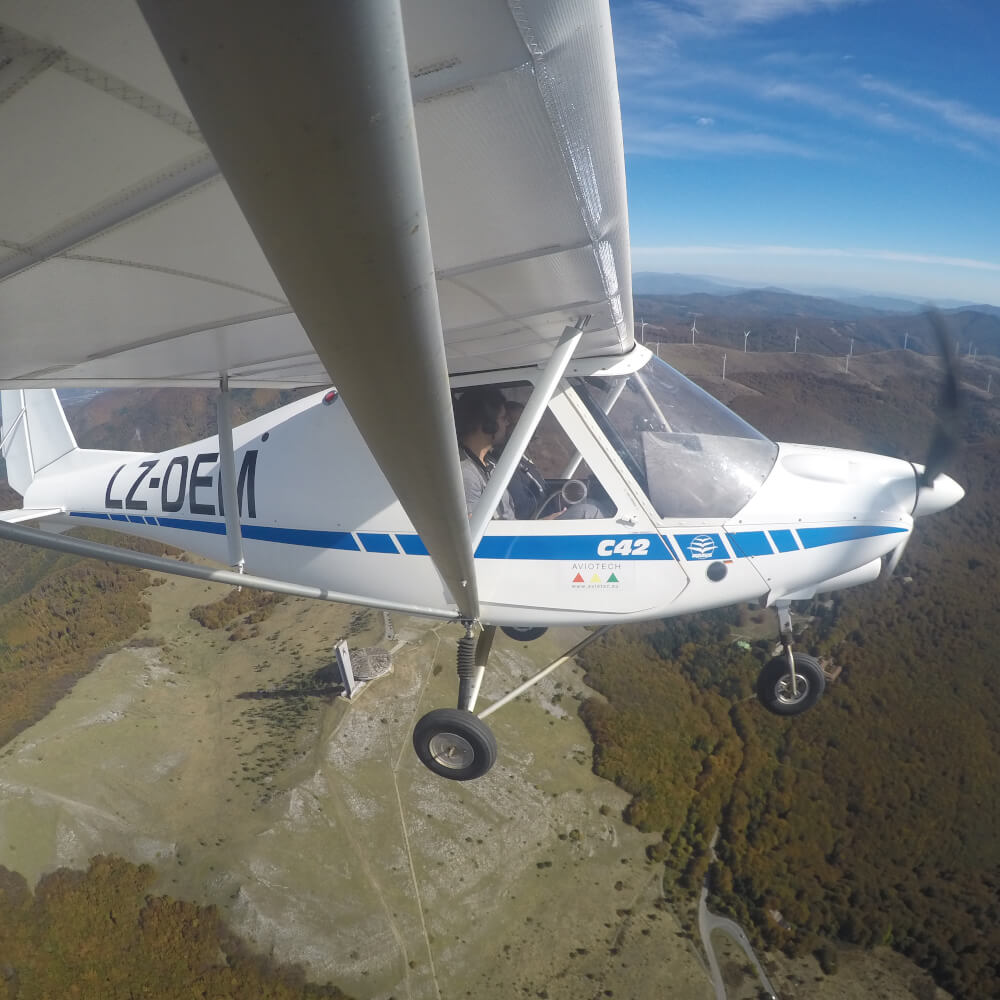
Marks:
<point>570,547</point>
<point>750,543</point>
<point>814,538</point>
<point>525,547</point>
<point>784,540</point>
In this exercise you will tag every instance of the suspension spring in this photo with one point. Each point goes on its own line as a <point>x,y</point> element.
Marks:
<point>467,657</point>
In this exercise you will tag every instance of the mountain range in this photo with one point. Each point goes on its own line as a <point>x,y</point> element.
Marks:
<point>824,325</point>
<point>657,283</point>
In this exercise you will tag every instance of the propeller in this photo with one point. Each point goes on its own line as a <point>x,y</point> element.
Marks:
<point>936,491</point>
<point>946,433</point>
<point>896,555</point>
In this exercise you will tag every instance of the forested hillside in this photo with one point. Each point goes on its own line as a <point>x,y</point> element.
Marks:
<point>57,616</point>
<point>157,419</point>
<point>59,613</point>
<point>873,818</point>
<point>100,935</point>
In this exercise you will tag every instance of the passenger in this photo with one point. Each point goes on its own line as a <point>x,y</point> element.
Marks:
<point>527,485</point>
<point>481,423</point>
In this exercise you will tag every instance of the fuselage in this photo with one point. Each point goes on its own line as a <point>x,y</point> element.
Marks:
<point>315,509</point>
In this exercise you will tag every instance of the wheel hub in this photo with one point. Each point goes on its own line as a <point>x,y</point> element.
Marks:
<point>452,751</point>
<point>783,690</point>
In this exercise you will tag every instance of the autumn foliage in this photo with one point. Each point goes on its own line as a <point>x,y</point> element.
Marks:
<point>101,935</point>
<point>872,819</point>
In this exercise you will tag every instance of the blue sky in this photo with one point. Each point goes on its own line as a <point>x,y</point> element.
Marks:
<point>850,143</point>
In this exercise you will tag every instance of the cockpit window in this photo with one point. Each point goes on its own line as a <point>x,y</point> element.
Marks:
<point>552,480</point>
<point>691,455</point>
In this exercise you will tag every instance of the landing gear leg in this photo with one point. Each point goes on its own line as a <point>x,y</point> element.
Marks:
<point>472,658</point>
<point>453,742</point>
<point>792,682</point>
<point>786,635</point>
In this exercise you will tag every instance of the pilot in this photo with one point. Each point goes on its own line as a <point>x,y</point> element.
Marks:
<point>481,423</point>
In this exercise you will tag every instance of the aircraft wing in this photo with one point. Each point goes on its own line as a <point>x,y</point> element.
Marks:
<point>125,258</point>
<point>297,194</point>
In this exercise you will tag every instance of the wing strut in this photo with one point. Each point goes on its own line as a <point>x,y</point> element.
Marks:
<point>533,411</point>
<point>12,532</point>
<point>307,109</point>
<point>227,468</point>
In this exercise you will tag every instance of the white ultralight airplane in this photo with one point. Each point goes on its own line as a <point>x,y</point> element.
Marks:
<point>406,200</point>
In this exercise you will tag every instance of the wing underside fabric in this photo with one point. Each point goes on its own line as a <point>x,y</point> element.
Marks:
<point>125,259</point>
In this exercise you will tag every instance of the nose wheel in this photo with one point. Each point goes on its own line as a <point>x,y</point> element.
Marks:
<point>791,683</point>
<point>775,690</point>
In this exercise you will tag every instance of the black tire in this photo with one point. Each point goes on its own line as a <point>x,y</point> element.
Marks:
<point>526,634</point>
<point>774,690</point>
<point>455,744</point>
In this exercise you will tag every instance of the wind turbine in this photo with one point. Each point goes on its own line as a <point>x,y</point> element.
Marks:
<point>746,334</point>
<point>795,343</point>
<point>694,329</point>
<point>906,339</point>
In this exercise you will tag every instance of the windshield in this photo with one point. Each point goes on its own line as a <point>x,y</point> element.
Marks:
<point>692,455</point>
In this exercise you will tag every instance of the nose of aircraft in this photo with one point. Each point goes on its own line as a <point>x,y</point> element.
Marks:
<point>943,494</point>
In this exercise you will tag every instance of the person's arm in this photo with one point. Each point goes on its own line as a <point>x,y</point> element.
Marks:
<point>474,485</point>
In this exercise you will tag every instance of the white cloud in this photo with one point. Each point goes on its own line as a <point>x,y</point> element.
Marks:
<point>897,256</point>
<point>842,96</point>
<point>704,122</point>
<point>954,113</point>
<point>712,17</point>
<point>675,141</point>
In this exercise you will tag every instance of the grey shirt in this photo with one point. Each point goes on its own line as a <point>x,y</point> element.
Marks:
<point>475,476</point>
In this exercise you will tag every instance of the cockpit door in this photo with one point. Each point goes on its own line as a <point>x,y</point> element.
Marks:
<point>610,564</point>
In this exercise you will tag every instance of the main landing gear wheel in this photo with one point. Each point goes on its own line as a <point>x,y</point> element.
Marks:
<point>524,634</point>
<point>455,744</point>
<point>774,685</point>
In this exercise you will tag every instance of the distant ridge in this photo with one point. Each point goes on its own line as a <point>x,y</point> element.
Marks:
<point>885,303</point>
<point>750,302</point>
<point>661,283</point>
<point>654,283</point>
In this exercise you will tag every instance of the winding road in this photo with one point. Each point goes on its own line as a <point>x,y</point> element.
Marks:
<point>708,922</point>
